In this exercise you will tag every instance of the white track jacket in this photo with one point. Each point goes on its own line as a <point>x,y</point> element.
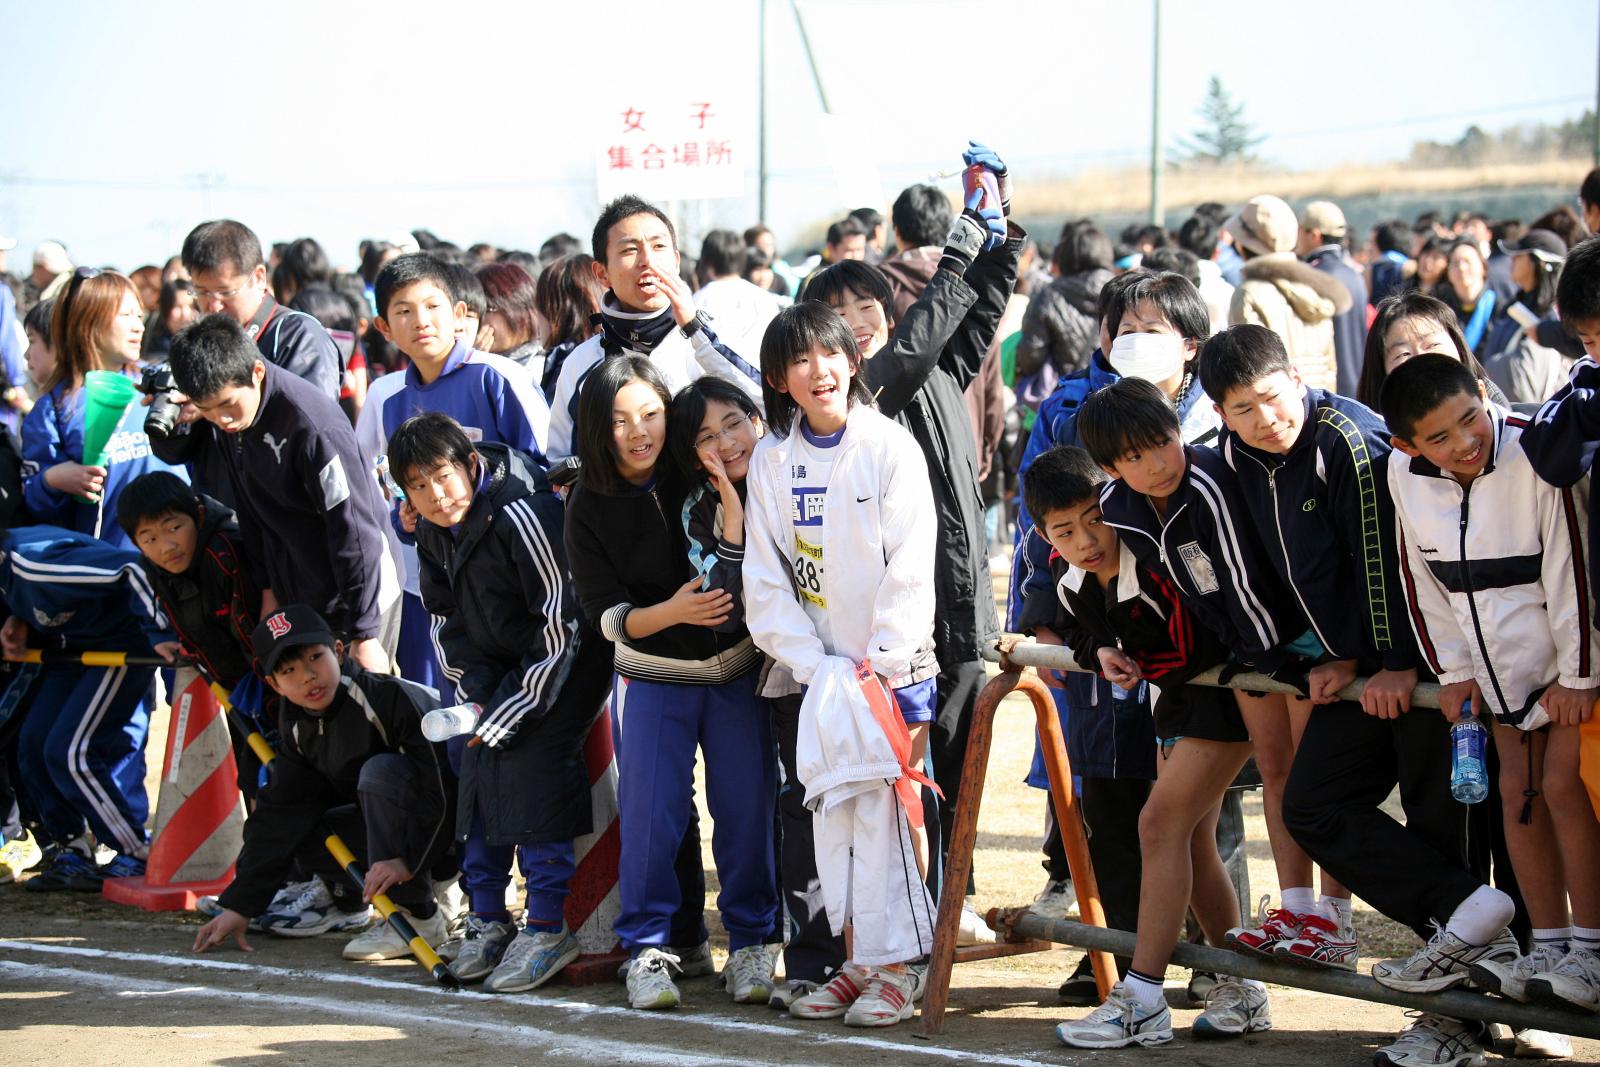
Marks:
<point>1495,576</point>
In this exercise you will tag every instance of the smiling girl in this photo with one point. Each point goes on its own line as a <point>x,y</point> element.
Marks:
<point>839,561</point>
<point>685,680</point>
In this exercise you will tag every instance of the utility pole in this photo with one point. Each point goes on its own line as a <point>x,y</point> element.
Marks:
<point>761,111</point>
<point>1157,214</point>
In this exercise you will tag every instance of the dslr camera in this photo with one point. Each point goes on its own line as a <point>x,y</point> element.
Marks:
<point>156,382</point>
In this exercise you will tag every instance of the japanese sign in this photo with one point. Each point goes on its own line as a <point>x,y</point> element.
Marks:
<point>692,146</point>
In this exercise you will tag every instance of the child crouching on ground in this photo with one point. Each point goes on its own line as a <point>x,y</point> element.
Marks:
<point>1493,566</point>
<point>839,563</point>
<point>353,761</point>
<point>509,634</point>
<point>1130,623</point>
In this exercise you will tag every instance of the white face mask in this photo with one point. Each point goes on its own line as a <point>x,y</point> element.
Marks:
<point>1154,357</point>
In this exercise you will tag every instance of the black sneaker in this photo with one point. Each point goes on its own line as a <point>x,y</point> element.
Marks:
<point>1079,990</point>
<point>65,869</point>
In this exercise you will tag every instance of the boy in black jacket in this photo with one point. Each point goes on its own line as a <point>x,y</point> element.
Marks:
<point>1131,624</point>
<point>511,638</point>
<point>309,510</point>
<point>352,761</point>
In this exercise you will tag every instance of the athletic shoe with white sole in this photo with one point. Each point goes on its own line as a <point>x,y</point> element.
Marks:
<point>787,992</point>
<point>1321,944</point>
<point>1057,900</point>
<point>884,1002</point>
<point>1541,1045</point>
<point>1234,1008</point>
<point>1119,1022</point>
<point>1199,987</point>
<point>380,942</point>
<point>314,912</point>
<point>1509,978</point>
<point>1273,925</point>
<point>1445,961</point>
<point>65,868</point>
<point>650,984</point>
<point>695,962</point>
<point>1572,983</point>
<point>973,930</point>
<point>481,948</point>
<point>533,958</point>
<point>17,855</point>
<point>833,999</point>
<point>748,975</point>
<point>919,979</point>
<point>1432,1041</point>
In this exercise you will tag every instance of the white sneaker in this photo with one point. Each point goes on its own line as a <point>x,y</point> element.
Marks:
<point>1057,900</point>
<point>748,975</point>
<point>786,993</point>
<point>1541,1045</point>
<point>693,962</point>
<point>833,999</point>
<point>1233,1009</point>
<point>313,912</point>
<point>650,984</point>
<point>480,950</point>
<point>1432,1041</point>
<point>532,959</point>
<point>973,930</point>
<point>17,855</point>
<point>1444,961</point>
<point>1509,977</point>
<point>380,942</point>
<point>1117,1023</point>
<point>1573,983</point>
<point>885,1001</point>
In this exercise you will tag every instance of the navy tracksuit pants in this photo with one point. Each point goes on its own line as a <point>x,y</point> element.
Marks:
<point>81,753</point>
<point>657,728</point>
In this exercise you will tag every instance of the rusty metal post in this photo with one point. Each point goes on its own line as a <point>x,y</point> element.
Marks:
<point>964,836</point>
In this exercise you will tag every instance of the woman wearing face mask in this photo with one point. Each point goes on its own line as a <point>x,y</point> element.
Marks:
<point>1466,291</point>
<point>1526,370</point>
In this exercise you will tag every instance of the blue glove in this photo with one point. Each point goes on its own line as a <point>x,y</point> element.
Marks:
<point>247,697</point>
<point>981,154</point>
<point>972,232</point>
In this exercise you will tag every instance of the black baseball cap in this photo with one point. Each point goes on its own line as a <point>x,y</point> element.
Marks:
<point>1544,245</point>
<point>294,627</point>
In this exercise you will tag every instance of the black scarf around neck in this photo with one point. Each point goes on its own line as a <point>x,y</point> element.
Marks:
<point>621,331</point>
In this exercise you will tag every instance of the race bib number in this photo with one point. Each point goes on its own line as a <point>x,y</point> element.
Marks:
<point>1201,572</point>
<point>808,572</point>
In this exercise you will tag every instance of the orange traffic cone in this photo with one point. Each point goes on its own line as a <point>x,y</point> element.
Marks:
<point>199,822</point>
<point>593,899</point>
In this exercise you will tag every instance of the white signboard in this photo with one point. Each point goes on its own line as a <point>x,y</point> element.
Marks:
<point>683,146</point>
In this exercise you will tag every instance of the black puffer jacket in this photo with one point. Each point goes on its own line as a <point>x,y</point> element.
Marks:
<point>214,604</point>
<point>1060,325</point>
<point>937,349</point>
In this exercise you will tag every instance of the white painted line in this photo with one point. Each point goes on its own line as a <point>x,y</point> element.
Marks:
<point>593,1049</point>
<point>814,1036</point>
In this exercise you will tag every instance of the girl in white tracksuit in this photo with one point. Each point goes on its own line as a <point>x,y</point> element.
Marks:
<point>839,562</point>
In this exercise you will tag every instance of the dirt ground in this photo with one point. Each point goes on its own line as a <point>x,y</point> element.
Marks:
<point>83,981</point>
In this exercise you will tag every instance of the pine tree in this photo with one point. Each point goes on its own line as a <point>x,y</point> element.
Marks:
<point>1225,135</point>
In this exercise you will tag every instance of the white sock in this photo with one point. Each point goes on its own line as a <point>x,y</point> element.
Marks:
<point>1301,900</point>
<point>1555,937</point>
<point>1338,911</point>
<point>1146,990</point>
<point>1586,938</point>
<point>1481,916</point>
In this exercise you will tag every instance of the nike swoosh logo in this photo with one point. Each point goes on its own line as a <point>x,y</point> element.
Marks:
<point>862,499</point>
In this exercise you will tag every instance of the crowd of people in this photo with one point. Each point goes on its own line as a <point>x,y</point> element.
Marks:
<point>428,520</point>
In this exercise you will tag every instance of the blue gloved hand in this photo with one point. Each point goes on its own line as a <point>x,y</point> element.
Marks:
<point>973,231</point>
<point>248,696</point>
<point>981,154</point>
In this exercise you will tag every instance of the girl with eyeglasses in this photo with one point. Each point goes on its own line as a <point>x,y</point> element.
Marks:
<point>96,325</point>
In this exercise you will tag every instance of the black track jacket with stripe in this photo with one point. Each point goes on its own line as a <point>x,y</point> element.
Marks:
<point>1326,521</point>
<point>506,621</point>
<point>1494,576</point>
<point>1208,547</point>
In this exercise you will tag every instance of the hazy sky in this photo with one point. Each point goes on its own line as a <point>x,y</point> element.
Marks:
<point>129,122</point>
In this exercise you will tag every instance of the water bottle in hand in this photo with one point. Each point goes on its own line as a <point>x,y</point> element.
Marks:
<point>441,724</point>
<point>1469,780</point>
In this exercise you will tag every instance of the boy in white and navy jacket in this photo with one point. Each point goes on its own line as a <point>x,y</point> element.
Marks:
<point>1493,570</point>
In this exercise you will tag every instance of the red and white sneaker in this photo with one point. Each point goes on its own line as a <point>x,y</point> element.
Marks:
<point>1272,926</point>
<point>886,1000</point>
<point>1321,944</point>
<point>833,999</point>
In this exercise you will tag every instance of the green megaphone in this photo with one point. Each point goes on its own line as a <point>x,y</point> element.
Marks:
<point>107,397</point>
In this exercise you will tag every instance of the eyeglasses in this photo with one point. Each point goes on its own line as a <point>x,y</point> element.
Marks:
<point>218,294</point>
<point>729,429</point>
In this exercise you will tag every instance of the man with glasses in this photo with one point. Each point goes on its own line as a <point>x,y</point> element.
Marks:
<point>223,258</point>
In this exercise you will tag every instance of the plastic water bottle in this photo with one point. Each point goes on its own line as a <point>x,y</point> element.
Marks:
<point>441,724</point>
<point>1469,781</point>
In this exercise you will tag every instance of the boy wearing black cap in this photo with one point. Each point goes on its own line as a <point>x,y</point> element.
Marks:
<point>352,761</point>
